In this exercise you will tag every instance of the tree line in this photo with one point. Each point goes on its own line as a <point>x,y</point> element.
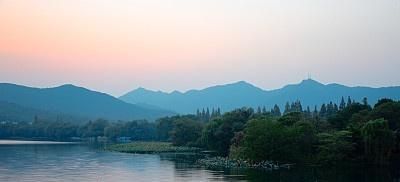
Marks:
<point>349,131</point>
<point>205,115</point>
<point>66,131</point>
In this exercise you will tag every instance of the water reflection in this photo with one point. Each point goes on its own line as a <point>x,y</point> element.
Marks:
<point>84,163</point>
<point>87,163</point>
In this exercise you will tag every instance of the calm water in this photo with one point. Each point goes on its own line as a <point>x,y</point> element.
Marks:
<point>74,162</point>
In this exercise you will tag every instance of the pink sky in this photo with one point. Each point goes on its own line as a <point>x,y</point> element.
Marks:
<point>116,46</point>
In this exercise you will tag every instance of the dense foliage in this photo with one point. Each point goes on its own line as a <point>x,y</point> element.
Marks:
<point>353,132</point>
<point>350,132</point>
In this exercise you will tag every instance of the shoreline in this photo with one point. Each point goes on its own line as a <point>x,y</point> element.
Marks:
<point>32,142</point>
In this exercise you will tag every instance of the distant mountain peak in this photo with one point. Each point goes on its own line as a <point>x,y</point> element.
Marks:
<point>71,88</point>
<point>141,90</point>
<point>66,86</point>
<point>176,92</point>
<point>310,82</point>
<point>242,84</point>
<point>235,86</point>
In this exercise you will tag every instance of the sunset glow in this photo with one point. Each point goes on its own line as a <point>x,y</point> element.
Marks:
<point>115,46</point>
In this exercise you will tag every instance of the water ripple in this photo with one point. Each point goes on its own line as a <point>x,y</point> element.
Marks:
<point>49,163</point>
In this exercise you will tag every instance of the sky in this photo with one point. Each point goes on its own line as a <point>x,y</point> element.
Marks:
<point>116,46</point>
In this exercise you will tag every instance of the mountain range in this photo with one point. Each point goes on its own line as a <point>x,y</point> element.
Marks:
<point>242,94</point>
<point>69,102</point>
<point>72,103</point>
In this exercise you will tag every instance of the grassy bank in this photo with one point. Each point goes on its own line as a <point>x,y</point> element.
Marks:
<point>223,162</point>
<point>149,147</point>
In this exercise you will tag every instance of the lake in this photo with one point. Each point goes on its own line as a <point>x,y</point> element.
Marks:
<point>49,161</point>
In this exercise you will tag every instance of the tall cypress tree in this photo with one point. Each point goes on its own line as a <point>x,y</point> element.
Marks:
<point>308,112</point>
<point>277,111</point>
<point>207,114</point>
<point>342,104</point>
<point>335,108</point>
<point>349,102</point>
<point>329,109</point>
<point>287,108</point>
<point>315,113</point>
<point>299,107</point>
<point>264,110</point>
<point>292,107</point>
<point>213,114</point>
<point>323,111</point>
<point>365,101</point>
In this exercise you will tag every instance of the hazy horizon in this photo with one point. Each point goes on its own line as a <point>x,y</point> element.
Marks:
<point>201,88</point>
<point>114,47</point>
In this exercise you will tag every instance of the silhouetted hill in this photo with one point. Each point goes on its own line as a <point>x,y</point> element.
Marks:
<point>76,101</point>
<point>240,94</point>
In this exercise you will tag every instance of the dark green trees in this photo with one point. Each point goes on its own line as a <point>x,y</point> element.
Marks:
<point>342,104</point>
<point>276,111</point>
<point>378,140</point>
<point>219,132</point>
<point>186,132</point>
<point>267,139</point>
<point>389,110</point>
<point>94,128</point>
<point>206,115</point>
<point>334,147</point>
<point>217,136</point>
<point>291,118</point>
<point>352,133</point>
<point>349,102</point>
<point>180,130</point>
<point>293,107</point>
<point>164,127</point>
<point>287,108</point>
<point>342,118</point>
<point>323,111</point>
